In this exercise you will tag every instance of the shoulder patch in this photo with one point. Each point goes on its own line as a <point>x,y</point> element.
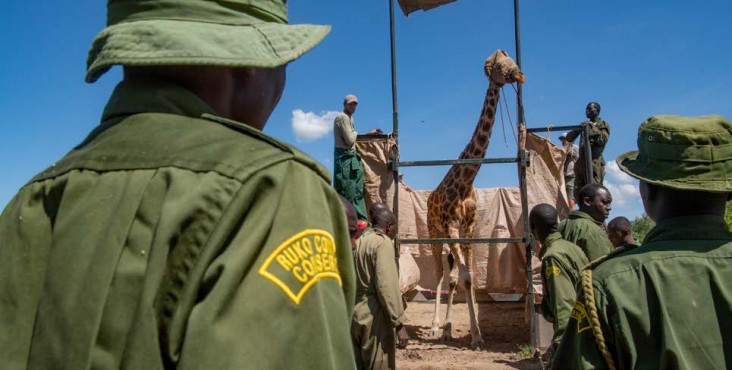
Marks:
<point>300,262</point>
<point>552,271</point>
<point>579,314</point>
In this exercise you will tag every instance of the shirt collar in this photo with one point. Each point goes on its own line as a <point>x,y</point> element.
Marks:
<point>700,227</point>
<point>550,239</point>
<point>150,95</point>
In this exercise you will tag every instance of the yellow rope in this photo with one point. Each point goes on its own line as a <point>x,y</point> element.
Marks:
<point>594,318</point>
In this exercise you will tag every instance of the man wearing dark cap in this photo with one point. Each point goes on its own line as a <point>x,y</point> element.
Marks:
<point>668,303</point>
<point>561,263</point>
<point>177,234</point>
<point>570,158</point>
<point>599,135</point>
<point>584,227</point>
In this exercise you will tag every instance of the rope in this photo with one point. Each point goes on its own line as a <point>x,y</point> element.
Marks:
<point>508,112</point>
<point>594,318</point>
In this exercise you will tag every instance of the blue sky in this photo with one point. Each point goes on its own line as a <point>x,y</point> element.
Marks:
<point>636,58</point>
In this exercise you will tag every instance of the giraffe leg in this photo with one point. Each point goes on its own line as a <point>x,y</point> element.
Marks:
<point>447,328</point>
<point>477,343</point>
<point>439,270</point>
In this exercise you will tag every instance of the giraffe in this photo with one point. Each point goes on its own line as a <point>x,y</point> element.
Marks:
<point>451,206</point>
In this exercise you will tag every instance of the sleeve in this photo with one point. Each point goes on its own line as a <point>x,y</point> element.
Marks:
<point>600,133</point>
<point>274,283</point>
<point>560,292</point>
<point>572,135</point>
<point>345,129</point>
<point>578,348</point>
<point>574,151</point>
<point>597,243</point>
<point>387,283</point>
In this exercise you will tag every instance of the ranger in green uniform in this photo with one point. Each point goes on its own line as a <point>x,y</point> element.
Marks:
<point>620,233</point>
<point>584,227</point>
<point>176,236</point>
<point>561,263</point>
<point>379,309</point>
<point>668,303</point>
<point>599,132</point>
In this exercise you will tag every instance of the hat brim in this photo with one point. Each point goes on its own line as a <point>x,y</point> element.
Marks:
<point>629,163</point>
<point>181,42</point>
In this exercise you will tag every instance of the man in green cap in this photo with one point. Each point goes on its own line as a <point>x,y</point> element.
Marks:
<point>348,170</point>
<point>668,303</point>
<point>379,310</point>
<point>561,263</point>
<point>177,234</point>
<point>599,132</point>
<point>584,227</point>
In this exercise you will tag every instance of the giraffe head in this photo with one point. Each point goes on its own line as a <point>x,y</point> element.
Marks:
<point>501,69</point>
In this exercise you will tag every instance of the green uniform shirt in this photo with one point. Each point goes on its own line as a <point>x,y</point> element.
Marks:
<point>379,307</point>
<point>581,229</point>
<point>664,305</point>
<point>599,133</point>
<point>561,263</point>
<point>174,238</point>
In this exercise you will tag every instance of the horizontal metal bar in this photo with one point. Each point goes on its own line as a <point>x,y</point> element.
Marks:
<point>462,240</point>
<point>553,128</point>
<point>449,162</point>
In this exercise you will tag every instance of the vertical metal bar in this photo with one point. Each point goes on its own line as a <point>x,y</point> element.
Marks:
<point>527,233</point>
<point>517,30</point>
<point>588,154</point>
<point>395,131</point>
<point>522,185</point>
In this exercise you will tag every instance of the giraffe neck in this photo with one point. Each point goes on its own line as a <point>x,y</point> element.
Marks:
<point>478,144</point>
<point>465,174</point>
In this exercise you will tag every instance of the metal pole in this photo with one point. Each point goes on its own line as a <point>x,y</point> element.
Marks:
<point>395,131</point>
<point>588,153</point>
<point>519,101</point>
<point>522,184</point>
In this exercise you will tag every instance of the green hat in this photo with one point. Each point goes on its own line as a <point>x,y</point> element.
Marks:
<point>685,153</point>
<point>227,33</point>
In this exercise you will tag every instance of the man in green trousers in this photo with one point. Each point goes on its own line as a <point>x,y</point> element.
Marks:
<point>584,227</point>
<point>379,310</point>
<point>599,133</point>
<point>561,263</point>
<point>177,235</point>
<point>666,304</point>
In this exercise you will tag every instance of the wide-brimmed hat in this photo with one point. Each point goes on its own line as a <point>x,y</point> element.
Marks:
<point>686,153</point>
<point>231,33</point>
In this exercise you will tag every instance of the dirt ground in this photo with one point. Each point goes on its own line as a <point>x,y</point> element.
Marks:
<point>502,326</point>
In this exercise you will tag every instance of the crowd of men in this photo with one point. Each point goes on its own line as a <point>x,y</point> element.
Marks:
<point>663,304</point>
<point>179,235</point>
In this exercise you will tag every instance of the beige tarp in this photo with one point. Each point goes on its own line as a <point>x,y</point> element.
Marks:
<point>498,268</point>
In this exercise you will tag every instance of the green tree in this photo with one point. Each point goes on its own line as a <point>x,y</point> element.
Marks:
<point>640,226</point>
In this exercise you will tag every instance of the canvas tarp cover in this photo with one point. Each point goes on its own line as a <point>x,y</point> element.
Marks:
<point>498,268</point>
<point>409,6</point>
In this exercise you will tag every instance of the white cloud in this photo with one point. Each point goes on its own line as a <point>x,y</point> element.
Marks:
<point>624,189</point>
<point>309,126</point>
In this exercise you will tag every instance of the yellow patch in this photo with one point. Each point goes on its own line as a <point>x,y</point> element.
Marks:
<point>552,271</point>
<point>580,315</point>
<point>301,261</point>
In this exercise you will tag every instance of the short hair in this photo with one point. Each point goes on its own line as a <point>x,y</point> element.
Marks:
<point>590,190</point>
<point>620,223</point>
<point>374,208</point>
<point>384,217</point>
<point>544,216</point>
<point>595,103</point>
